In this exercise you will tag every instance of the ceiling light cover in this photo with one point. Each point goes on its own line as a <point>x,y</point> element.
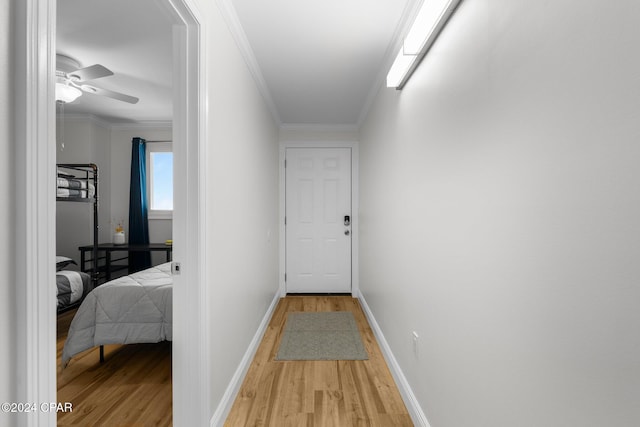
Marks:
<point>431,19</point>
<point>400,68</point>
<point>66,93</point>
<point>431,13</point>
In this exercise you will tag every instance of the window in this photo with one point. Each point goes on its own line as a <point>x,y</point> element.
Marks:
<point>160,180</point>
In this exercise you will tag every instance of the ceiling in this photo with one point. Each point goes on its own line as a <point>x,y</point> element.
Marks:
<point>131,38</point>
<point>319,59</point>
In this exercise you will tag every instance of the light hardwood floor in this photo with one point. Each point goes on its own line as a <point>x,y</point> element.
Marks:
<point>318,393</point>
<point>132,387</point>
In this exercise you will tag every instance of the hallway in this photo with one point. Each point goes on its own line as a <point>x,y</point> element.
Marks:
<point>318,393</point>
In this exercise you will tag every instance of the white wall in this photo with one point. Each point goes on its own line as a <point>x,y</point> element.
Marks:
<point>121,137</point>
<point>7,259</point>
<point>242,206</point>
<point>83,140</point>
<point>499,216</point>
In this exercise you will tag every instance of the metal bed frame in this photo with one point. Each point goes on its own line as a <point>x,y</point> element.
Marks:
<point>87,172</point>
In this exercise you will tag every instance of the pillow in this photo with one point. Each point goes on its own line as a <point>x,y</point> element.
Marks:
<point>62,262</point>
<point>63,174</point>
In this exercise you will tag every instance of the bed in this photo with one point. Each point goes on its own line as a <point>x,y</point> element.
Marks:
<point>69,186</point>
<point>78,182</point>
<point>131,309</point>
<point>71,284</point>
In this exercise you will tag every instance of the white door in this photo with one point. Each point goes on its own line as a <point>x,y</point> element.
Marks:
<point>318,220</point>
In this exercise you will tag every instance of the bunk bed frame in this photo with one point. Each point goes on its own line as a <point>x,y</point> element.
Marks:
<point>132,284</point>
<point>87,172</point>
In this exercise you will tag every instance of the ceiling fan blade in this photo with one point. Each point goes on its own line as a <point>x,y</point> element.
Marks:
<point>90,73</point>
<point>111,94</point>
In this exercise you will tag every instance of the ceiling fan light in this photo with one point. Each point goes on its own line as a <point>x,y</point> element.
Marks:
<point>66,93</point>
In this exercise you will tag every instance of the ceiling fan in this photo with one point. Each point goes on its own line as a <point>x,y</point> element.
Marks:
<point>71,81</point>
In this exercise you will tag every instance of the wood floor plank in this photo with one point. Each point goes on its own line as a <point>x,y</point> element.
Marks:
<point>318,393</point>
<point>132,387</point>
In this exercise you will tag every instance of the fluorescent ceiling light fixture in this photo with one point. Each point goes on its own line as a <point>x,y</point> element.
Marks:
<point>431,19</point>
<point>399,69</point>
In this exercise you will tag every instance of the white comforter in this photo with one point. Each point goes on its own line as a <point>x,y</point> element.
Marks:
<point>131,309</point>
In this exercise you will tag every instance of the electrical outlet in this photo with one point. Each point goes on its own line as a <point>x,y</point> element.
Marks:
<point>415,336</point>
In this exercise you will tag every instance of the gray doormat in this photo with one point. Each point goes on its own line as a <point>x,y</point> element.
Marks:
<point>321,336</point>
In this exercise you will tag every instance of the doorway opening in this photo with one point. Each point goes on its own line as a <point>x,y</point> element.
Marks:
<point>35,225</point>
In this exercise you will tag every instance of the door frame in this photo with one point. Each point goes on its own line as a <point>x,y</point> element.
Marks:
<point>34,32</point>
<point>353,145</point>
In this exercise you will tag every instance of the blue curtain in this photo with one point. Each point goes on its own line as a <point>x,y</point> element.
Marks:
<point>138,209</point>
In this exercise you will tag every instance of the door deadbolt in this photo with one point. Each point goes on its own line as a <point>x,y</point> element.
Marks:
<point>347,220</point>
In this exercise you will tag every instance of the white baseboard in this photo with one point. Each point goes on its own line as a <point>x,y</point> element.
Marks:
<point>415,411</point>
<point>222,411</point>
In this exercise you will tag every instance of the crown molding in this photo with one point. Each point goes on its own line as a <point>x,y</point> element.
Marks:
<point>230,16</point>
<point>117,126</point>
<point>76,117</point>
<point>150,124</point>
<point>312,127</point>
<point>409,14</point>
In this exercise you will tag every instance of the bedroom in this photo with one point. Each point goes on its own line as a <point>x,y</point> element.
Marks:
<point>98,129</point>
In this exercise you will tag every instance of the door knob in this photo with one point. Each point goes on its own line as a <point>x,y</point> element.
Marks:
<point>347,232</point>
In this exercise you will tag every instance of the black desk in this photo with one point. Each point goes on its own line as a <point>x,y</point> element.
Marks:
<point>108,248</point>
